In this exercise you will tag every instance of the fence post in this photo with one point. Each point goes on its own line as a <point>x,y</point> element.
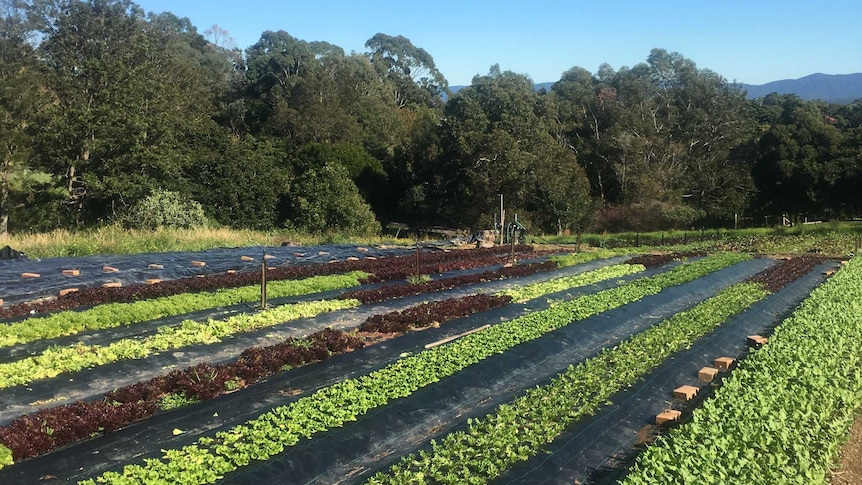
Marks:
<point>263,282</point>
<point>418,264</point>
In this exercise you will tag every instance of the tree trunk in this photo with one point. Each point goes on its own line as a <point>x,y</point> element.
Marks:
<point>4,194</point>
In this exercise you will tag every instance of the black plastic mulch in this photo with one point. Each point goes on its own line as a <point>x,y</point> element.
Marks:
<point>600,448</point>
<point>134,268</point>
<point>90,384</point>
<point>147,438</point>
<point>378,440</point>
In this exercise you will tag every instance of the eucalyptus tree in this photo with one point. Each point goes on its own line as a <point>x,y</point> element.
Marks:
<point>498,139</point>
<point>22,101</point>
<point>125,107</point>
<point>409,70</point>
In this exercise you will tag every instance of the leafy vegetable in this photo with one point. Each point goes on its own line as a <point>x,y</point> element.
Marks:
<point>117,314</point>
<point>519,429</point>
<point>258,439</point>
<point>57,360</point>
<point>779,418</point>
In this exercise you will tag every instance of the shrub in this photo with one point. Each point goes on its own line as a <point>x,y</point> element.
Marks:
<point>324,199</point>
<point>647,216</point>
<point>166,209</point>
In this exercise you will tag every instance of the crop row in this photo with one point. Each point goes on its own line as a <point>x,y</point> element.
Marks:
<point>654,260</point>
<point>440,311</point>
<point>48,429</point>
<point>118,314</point>
<point>535,290</point>
<point>787,271</point>
<point>425,314</point>
<point>780,416</point>
<point>516,431</point>
<point>35,434</point>
<point>57,360</point>
<point>258,439</point>
<point>401,290</point>
<point>378,270</point>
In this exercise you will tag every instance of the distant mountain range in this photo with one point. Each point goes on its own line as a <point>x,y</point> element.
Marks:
<point>832,88</point>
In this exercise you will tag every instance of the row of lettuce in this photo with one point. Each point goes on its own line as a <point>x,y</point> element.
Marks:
<point>30,436</point>
<point>781,416</point>
<point>111,315</point>
<point>210,458</point>
<point>57,360</point>
<point>379,269</point>
<point>518,430</point>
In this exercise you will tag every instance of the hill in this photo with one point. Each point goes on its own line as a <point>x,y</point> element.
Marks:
<point>832,88</point>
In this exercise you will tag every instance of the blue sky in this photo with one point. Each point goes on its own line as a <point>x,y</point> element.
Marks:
<point>752,41</point>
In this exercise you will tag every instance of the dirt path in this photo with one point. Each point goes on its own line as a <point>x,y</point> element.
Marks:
<point>849,471</point>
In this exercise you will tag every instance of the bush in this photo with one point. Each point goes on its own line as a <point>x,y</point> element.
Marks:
<point>166,209</point>
<point>324,199</point>
<point>647,216</point>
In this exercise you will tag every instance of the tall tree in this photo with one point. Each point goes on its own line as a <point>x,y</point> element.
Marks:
<point>409,70</point>
<point>498,140</point>
<point>22,99</point>
<point>124,107</point>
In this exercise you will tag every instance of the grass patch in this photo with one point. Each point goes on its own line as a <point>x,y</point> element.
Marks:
<point>115,239</point>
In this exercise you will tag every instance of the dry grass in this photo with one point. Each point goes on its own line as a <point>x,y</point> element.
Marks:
<point>116,240</point>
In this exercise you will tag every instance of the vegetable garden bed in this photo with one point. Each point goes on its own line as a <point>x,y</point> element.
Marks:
<point>362,411</point>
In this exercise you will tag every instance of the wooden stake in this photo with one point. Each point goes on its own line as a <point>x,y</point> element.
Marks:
<point>263,283</point>
<point>455,337</point>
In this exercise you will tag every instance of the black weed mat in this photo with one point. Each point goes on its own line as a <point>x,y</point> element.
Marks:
<point>144,329</point>
<point>135,268</point>
<point>93,383</point>
<point>145,439</point>
<point>599,449</point>
<point>377,440</point>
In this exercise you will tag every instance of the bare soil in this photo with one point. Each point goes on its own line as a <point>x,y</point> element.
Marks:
<point>849,470</point>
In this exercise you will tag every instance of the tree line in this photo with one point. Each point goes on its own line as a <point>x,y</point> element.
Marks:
<point>109,114</point>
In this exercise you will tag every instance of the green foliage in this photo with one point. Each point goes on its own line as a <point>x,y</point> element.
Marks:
<point>416,279</point>
<point>127,111</point>
<point>325,199</point>
<point>332,406</point>
<point>647,216</point>
<point>176,400</point>
<point>565,260</point>
<point>166,209</point>
<point>780,417</point>
<point>5,456</point>
<point>117,314</point>
<point>535,290</point>
<point>520,428</point>
<point>240,182</point>
<point>92,127</point>
<point>57,360</point>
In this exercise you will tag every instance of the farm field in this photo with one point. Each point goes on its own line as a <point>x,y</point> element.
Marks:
<point>549,370</point>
